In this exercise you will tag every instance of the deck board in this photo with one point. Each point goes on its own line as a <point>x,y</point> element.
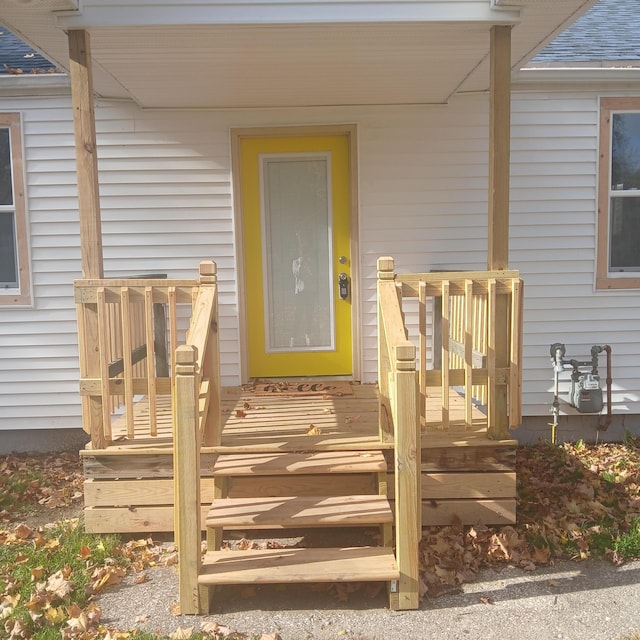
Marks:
<point>272,566</point>
<point>288,512</point>
<point>282,422</point>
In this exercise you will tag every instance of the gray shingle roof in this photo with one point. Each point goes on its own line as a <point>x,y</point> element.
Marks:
<point>610,30</point>
<point>16,55</point>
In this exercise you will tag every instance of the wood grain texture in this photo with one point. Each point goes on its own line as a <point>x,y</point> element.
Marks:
<point>273,566</point>
<point>299,511</point>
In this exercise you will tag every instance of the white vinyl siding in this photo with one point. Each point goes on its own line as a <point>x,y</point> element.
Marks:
<point>167,203</point>
<point>553,243</point>
<point>38,345</point>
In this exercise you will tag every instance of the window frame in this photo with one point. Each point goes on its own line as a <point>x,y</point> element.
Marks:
<point>606,280</point>
<point>21,295</point>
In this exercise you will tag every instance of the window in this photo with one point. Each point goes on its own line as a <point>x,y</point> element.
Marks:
<point>618,265</point>
<point>15,285</point>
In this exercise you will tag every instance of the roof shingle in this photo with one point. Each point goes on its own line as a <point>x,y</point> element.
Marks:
<point>17,56</point>
<point>610,31</point>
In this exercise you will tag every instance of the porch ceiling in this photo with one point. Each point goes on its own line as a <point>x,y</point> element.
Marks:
<point>243,64</point>
<point>250,66</point>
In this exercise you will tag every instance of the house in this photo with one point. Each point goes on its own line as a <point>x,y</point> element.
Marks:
<point>167,194</point>
<point>295,144</point>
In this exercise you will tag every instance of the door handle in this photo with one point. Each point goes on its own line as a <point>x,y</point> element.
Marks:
<point>343,286</point>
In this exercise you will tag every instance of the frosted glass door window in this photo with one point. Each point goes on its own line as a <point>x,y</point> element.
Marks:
<point>297,252</point>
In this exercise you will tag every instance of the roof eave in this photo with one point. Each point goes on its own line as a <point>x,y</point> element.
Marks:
<point>575,77</point>
<point>34,84</point>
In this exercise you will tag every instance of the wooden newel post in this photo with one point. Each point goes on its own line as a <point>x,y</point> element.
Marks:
<point>186,472</point>
<point>208,272</point>
<point>211,363</point>
<point>407,474</point>
<point>386,273</point>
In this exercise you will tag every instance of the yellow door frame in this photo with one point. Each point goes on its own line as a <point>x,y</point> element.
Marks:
<point>244,287</point>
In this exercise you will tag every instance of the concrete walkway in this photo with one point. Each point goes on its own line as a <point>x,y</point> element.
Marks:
<point>591,600</point>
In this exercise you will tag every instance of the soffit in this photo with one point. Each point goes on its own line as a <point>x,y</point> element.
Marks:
<point>247,66</point>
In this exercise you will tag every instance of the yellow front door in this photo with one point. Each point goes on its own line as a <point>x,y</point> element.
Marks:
<point>297,259</point>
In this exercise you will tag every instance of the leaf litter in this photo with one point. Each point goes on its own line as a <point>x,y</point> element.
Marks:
<point>574,501</point>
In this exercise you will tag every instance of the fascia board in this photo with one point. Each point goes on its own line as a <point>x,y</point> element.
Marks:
<point>34,84</point>
<point>576,75</point>
<point>148,13</point>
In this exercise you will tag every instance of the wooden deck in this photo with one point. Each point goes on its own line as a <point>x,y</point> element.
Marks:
<point>129,485</point>
<point>290,423</point>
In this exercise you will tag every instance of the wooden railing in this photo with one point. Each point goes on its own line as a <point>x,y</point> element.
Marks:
<point>400,421</point>
<point>469,336</point>
<point>197,423</point>
<point>462,317</point>
<point>126,328</point>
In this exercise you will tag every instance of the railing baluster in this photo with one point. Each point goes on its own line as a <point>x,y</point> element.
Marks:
<point>422,348</point>
<point>446,336</point>
<point>85,401</point>
<point>491,349</point>
<point>127,348</point>
<point>103,347</point>
<point>468,354</point>
<point>151,367</point>
<point>173,332</point>
<point>112,340</point>
<point>515,370</point>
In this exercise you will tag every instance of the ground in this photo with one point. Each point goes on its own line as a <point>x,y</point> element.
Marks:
<point>574,502</point>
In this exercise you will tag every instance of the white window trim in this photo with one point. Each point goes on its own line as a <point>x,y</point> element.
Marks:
<point>604,278</point>
<point>20,296</point>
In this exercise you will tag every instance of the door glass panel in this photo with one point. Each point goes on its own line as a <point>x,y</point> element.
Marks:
<point>297,252</point>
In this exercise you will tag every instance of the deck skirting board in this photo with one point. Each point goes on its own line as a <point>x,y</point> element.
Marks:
<point>434,513</point>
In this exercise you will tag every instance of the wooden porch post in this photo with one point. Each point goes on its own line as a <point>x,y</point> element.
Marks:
<point>86,153</point>
<point>498,224</point>
<point>89,210</point>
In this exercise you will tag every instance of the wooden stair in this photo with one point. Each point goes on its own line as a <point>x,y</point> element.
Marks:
<point>297,565</point>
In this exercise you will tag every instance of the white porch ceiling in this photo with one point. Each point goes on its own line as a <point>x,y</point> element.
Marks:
<point>248,66</point>
<point>238,64</point>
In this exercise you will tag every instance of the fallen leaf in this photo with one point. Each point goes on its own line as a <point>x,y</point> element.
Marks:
<point>85,552</point>
<point>486,600</point>
<point>182,633</point>
<point>59,585</point>
<point>23,531</point>
<point>37,574</point>
<point>313,430</point>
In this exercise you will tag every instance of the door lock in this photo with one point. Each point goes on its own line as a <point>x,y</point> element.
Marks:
<point>343,286</point>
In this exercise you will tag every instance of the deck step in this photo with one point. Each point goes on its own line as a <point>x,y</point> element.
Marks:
<point>265,464</point>
<point>277,566</point>
<point>304,511</point>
